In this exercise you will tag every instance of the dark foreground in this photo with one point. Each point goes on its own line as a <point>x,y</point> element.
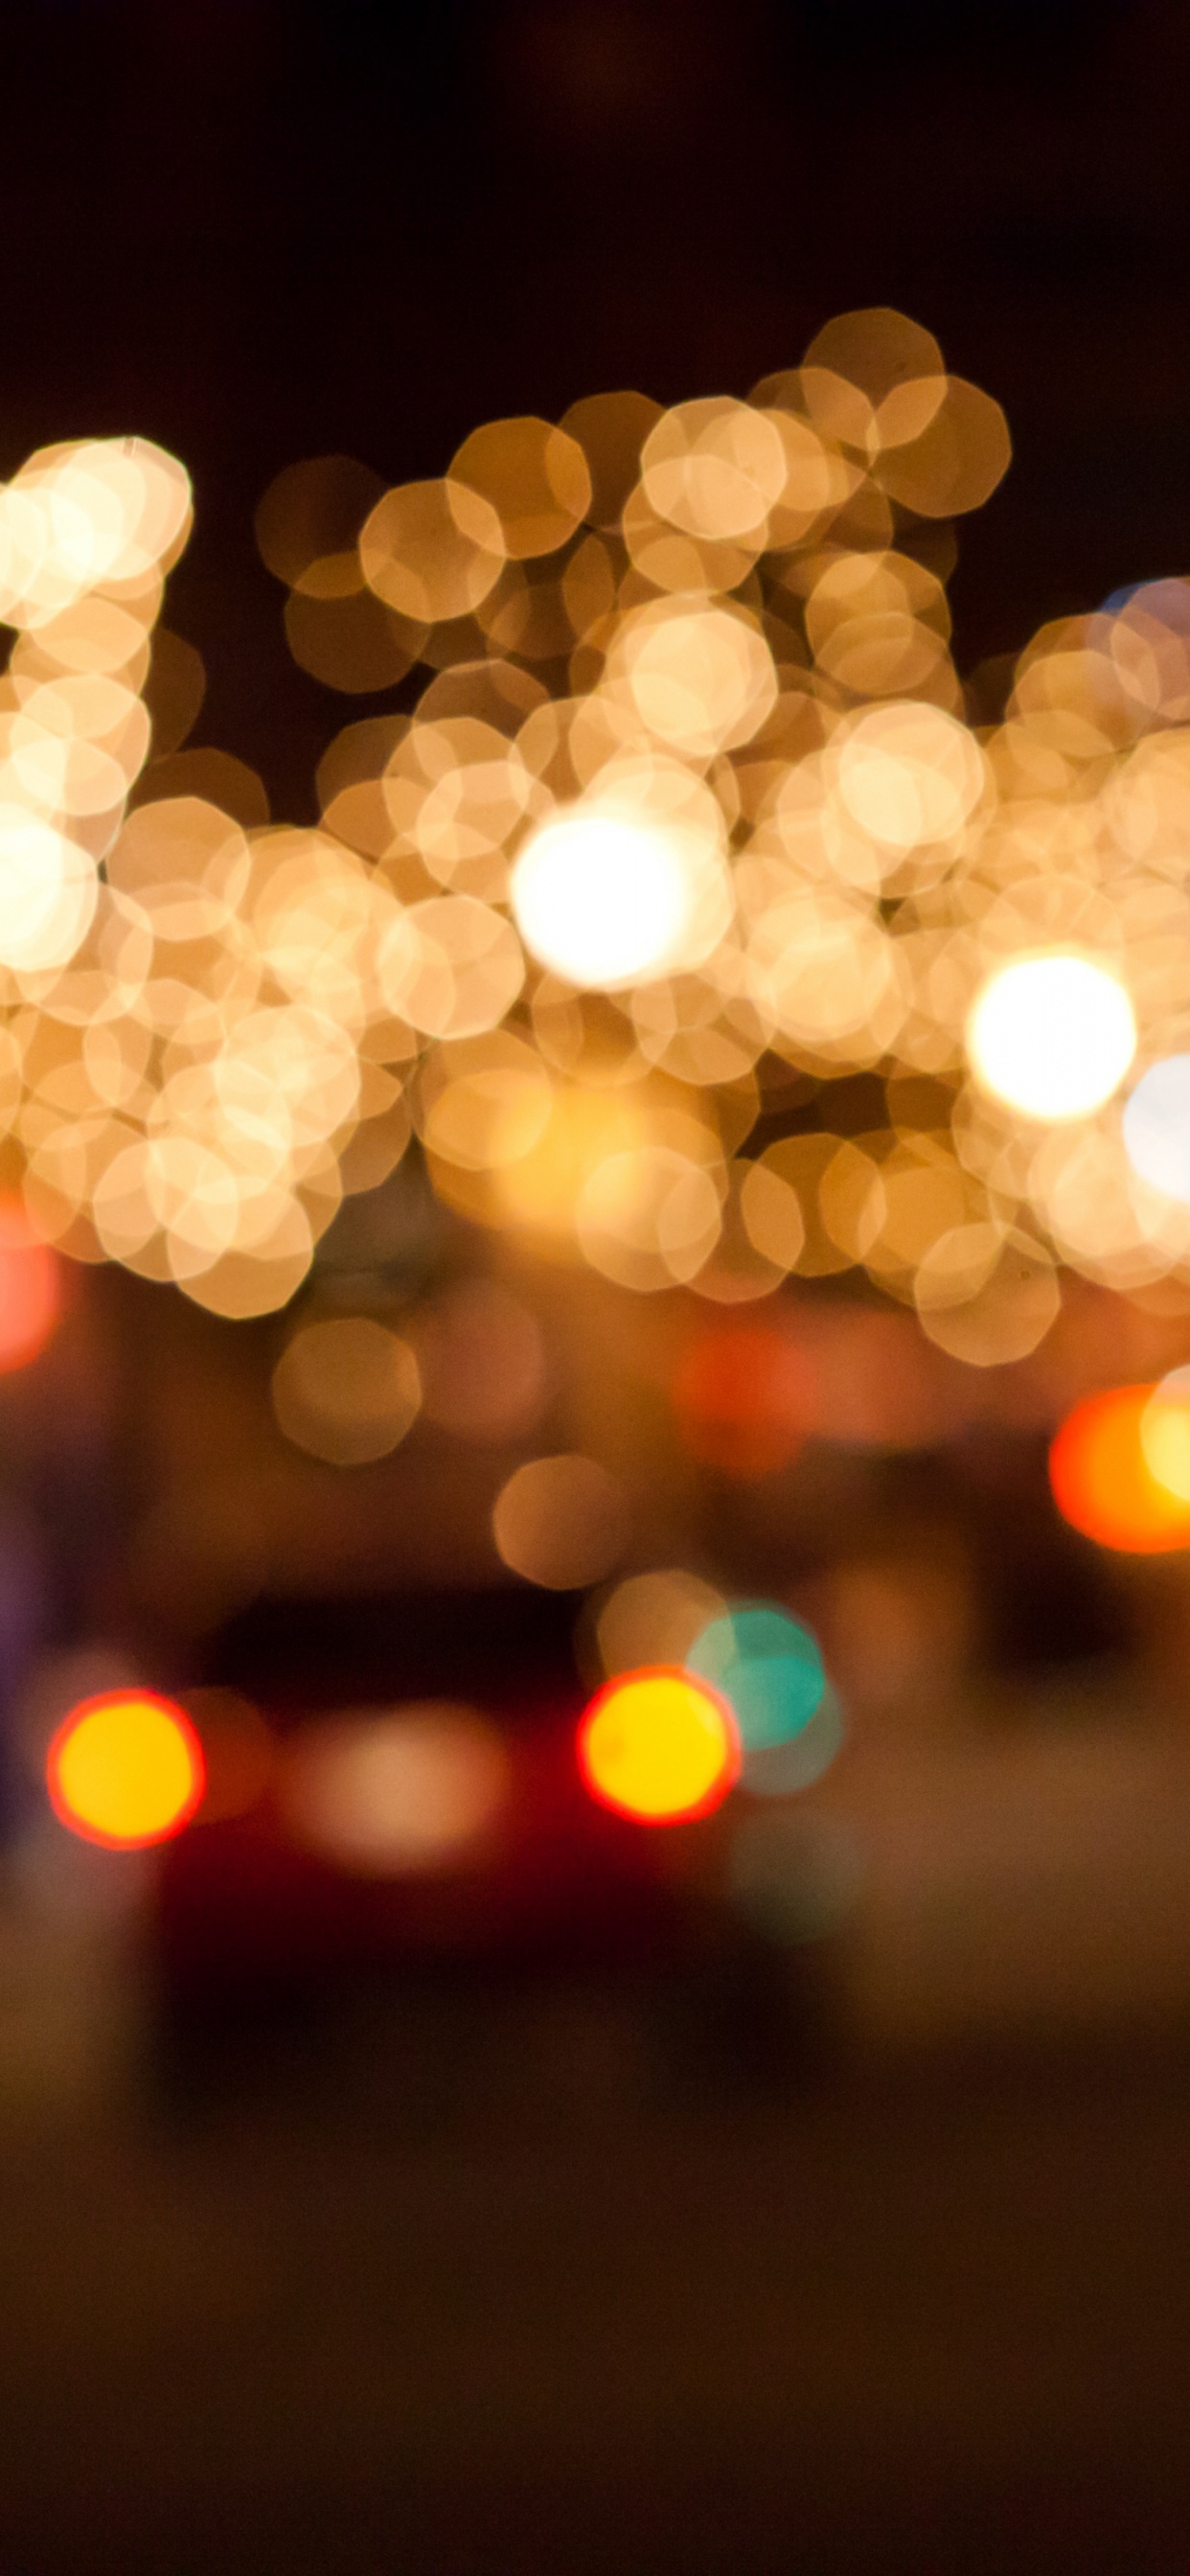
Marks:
<point>932,2319</point>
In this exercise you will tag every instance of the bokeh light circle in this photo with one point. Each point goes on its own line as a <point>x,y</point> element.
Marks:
<point>659,1746</point>
<point>561,1522</point>
<point>125,1769</point>
<point>1165,1433</point>
<point>1052,1036</point>
<point>601,898</point>
<point>1156,1125</point>
<point>30,1288</point>
<point>346,1389</point>
<point>1102,1482</point>
<point>768,1667</point>
<point>396,1793</point>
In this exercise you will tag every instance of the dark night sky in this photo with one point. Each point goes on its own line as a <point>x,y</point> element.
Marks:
<point>260,229</point>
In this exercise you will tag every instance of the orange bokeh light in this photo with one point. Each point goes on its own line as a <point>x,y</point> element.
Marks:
<point>658,1746</point>
<point>30,1288</point>
<point>1102,1482</point>
<point>125,1769</point>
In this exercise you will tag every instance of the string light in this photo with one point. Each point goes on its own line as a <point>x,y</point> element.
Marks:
<point>687,792</point>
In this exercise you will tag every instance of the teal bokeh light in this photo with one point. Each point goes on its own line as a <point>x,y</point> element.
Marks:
<point>768,1667</point>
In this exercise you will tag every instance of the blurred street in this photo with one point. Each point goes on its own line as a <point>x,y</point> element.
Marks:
<point>594,1289</point>
<point>932,2319</point>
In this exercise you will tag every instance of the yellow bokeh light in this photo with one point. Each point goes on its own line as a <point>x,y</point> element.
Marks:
<point>1052,1036</point>
<point>125,1769</point>
<point>1165,1433</point>
<point>658,1746</point>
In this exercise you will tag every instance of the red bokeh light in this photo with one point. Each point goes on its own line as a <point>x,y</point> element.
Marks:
<point>30,1288</point>
<point>742,1397</point>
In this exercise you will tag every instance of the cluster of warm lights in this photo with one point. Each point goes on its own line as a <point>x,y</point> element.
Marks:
<point>690,816</point>
<point>695,745</point>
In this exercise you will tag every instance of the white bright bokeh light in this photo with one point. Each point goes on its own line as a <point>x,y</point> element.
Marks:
<point>602,898</point>
<point>1157,1127</point>
<point>1052,1036</point>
